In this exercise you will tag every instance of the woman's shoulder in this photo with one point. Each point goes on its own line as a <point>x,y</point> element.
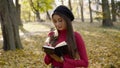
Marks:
<point>77,34</point>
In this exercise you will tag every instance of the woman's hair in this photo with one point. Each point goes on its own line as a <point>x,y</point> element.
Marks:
<point>70,35</point>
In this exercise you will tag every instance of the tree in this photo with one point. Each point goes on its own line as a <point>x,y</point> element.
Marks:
<point>118,8</point>
<point>9,25</point>
<point>62,2</point>
<point>91,19</point>
<point>40,6</point>
<point>113,10</point>
<point>69,4</point>
<point>97,4</point>
<point>26,12</point>
<point>35,9</point>
<point>106,14</point>
<point>48,15</point>
<point>18,9</point>
<point>81,6</point>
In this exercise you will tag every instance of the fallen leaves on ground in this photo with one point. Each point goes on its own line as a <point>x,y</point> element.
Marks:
<point>102,44</point>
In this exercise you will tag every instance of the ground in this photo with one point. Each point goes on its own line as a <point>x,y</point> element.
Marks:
<point>102,44</point>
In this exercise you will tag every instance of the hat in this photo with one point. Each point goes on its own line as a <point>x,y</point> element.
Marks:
<point>65,11</point>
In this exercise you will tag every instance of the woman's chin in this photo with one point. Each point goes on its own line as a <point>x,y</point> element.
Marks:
<point>60,29</point>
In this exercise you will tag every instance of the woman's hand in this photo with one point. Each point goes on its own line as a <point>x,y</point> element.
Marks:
<point>56,58</point>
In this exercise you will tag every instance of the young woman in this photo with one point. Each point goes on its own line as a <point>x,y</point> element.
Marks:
<point>76,57</point>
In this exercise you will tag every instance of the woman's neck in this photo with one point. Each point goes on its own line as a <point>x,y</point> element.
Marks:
<point>62,31</point>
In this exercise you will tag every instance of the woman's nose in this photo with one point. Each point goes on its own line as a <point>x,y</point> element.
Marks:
<point>58,23</point>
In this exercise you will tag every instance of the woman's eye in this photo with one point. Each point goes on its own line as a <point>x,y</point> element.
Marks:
<point>54,21</point>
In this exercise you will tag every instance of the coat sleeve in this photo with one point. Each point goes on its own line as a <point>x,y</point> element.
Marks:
<point>47,59</point>
<point>83,61</point>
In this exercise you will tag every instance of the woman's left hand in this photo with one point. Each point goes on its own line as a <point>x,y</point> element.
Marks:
<point>56,58</point>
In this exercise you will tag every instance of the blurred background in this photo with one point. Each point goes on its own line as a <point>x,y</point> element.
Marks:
<point>82,9</point>
<point>25,24</point>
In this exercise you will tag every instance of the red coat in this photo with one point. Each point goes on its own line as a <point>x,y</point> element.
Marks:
<point>68,62</point>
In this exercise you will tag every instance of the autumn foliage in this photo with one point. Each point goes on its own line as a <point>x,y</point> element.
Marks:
<point>102,46</point>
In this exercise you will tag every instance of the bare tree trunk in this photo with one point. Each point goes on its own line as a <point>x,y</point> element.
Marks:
<point>106,14</point>
<point>48,15</point>
<point>62,2</point>
<point>18,9</point>
<point>29,18</point>
<point>113,10</point>
<point>81,7</point>
<point>18,12</point>
<point>37,16</point>
<point>91,19</point>
<point>69,3</point>
<point>118,9</point>
<point>97,5</point>
<point>36,11</point>
<point>10,30</point>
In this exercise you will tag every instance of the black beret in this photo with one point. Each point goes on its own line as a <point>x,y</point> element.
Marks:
<point>65,11</point>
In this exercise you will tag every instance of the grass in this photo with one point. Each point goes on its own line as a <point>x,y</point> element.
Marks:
<point>102,46</point>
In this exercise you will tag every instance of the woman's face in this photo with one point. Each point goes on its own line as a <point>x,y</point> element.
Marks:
<point>59,22</point>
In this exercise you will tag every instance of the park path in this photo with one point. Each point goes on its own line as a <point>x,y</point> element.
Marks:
<point>32,29</point>
<point>35,28</point>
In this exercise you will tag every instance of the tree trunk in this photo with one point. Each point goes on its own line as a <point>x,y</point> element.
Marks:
<point>18,12</point>
<point>35,11</point>
<point>9,25</point>
<point>62,2</point>
<point>97,5</point>
<point>69,3</point>
<point>113,10</point>
<point>48,15</point>
<point>29,18</point>
<point>81,7</point>
<point>118,9</point>
<point>106,14</point>
<point>91,19</point>
<point>38,19</point>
